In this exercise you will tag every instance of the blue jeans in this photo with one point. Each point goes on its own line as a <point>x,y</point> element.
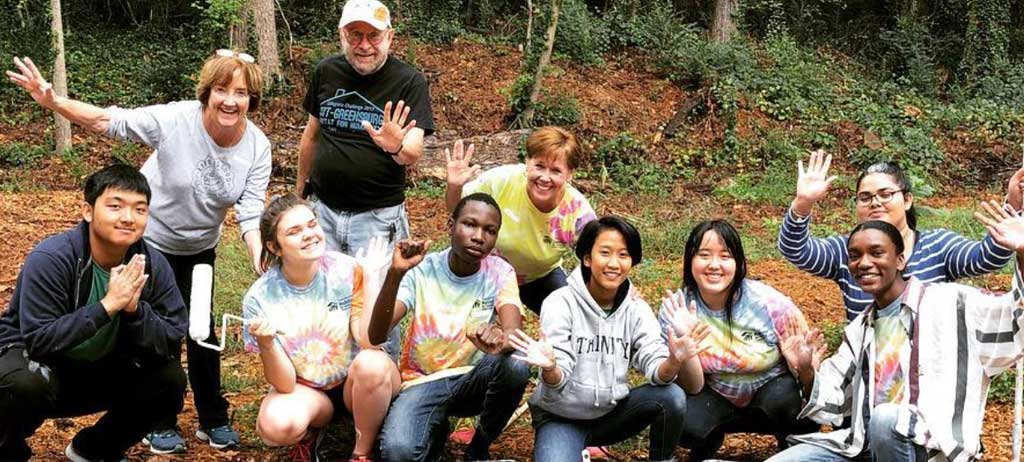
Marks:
<point>661,407</point>
<point>534,292</point>
<point>347,232</point>
<point>884,444</point>
<point>772,410</point>
<point>416,426</point>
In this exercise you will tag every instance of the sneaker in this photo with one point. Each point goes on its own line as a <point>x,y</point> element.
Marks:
<point>164,441</point>
<point>462,435</point>
<point>74,456</point>
<point>308,450</point>
<point>596,452</point>
<point>219,437</point>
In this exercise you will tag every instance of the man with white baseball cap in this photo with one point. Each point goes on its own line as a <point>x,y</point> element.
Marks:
<point>368,114</point>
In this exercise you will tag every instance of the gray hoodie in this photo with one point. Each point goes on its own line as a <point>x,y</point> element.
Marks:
<point>595,349</point>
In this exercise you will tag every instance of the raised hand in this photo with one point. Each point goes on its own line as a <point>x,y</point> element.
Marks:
<point>459,170</point>
<point>1006,228</point>
<point>683,347</point>
<point>393,130</point>
<point>488,338</point>
<point>1015,190</point>
<point>374,257</point>
<point>29,78</point>
<point>812,184</point>
<point>682,319</point>
<point>409,253</point>
<point>533,352</point>
<point>795,345</point>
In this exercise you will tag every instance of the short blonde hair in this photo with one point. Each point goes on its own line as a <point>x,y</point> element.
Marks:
<point>554,141</point>
<point>219,70</point>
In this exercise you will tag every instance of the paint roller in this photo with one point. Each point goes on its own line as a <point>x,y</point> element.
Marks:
<point>200,309</point>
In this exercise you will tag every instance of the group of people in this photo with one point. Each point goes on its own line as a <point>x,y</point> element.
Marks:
<point>99,312</point>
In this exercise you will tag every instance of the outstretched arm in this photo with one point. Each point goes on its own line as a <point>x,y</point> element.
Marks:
<point>29,78</point>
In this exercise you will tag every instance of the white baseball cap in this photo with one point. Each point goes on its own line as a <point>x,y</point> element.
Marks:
<point>371,12</point>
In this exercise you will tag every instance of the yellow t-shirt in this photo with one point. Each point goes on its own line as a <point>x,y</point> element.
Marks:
<point>532,241</point>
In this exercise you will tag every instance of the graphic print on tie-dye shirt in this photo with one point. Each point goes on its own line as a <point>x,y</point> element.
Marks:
<point>444,307</point>
<point>532,241</point>
<point>738,361</point>
<point>314,319</point>
<point>890,338</point>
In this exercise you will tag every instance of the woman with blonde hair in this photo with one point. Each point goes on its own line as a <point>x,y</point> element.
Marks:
<point>207,157</point>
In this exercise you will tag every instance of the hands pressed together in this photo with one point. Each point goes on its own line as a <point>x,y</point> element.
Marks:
<point>125,286</point>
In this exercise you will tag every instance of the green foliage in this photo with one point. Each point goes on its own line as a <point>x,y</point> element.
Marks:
<point>1002,387</point>
<point>623,160</point>
<point>580,36</point>
<point>774,186</point>
<point>557,109</point>
<point>19,154</point>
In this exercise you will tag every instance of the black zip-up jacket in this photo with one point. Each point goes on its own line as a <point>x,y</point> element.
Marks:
<point>49,313</point>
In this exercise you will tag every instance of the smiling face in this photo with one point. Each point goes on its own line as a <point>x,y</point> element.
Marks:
<point>714,268</point>
<point>609,262</point>
<point>875,264</point>
<point>894,212</point>
<point>228,103</point>
<point>298,239</point>
<point>545,180</point>
<point>357,44</point>
<point>118,217</point>
<point>474,231</point>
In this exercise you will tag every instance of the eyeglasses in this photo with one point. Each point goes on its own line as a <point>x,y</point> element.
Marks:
<point>245,57</point>
<point>884,196</point>
<point>355,38</point>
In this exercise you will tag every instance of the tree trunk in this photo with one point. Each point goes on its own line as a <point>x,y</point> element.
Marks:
<point>529,27</point>
<point>722,24</point>
<point>266,31</point>
<point>545,60</point>
<point>60,77</point>
<point>240,29</point>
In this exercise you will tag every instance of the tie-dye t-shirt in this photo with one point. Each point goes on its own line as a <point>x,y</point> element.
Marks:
<point>444,307</point>
<point>890,341</point>
<point>740,359</point>
<point>532,241</point>
<point>314,320</point>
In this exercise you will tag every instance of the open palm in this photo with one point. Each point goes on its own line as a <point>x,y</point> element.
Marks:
<point>812,184</point>
<point>29,78</point>
<point>683,318</point>
<point>393,130</point>
<point>533,352</point>
<point>459,171</point>
<point>1006,228</point>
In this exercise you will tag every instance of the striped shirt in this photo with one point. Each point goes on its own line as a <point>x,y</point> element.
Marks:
<point>958,337</point>
<point>939,255</point>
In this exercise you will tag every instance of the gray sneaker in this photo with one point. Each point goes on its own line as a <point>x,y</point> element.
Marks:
<point>219,437</point>
<point>165,441</point>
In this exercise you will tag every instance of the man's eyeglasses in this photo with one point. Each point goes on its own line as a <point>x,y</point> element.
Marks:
<point>355,38</point>
<point>245,57</point>
<point>884,196</point>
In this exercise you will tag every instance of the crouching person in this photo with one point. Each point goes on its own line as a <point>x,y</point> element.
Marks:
<point>456,358</point>
<point>94,325</point>
<point>914,368</point>
<point>593,331</point>
<point>304,320</point>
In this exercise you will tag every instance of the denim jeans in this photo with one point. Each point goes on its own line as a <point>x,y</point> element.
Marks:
<point>772,410</point>
<point>884,444</point>
<point>661,407</point>
<point>534,292</point>
<point>416,426</point>
<point>347,232</point>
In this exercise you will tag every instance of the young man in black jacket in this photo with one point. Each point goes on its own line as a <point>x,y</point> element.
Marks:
<point>93,326</point>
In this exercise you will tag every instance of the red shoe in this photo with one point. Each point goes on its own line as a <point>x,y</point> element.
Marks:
<point>462,436</point>
<point>597,452</point>
<point>308,450</point>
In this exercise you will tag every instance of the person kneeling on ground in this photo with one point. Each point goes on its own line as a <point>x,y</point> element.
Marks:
<point>456,360</point>
<point>747,386</point>
<point>94,325</point>
<point>304,320</point>
<point>914,368</point>
<point>592,331</point>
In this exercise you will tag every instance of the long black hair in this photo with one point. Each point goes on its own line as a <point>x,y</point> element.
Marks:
<point>902,180</point>
<point>731,238</point>
<point>588,236</point>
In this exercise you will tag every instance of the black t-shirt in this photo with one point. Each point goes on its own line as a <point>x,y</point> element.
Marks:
<point>350,172</point>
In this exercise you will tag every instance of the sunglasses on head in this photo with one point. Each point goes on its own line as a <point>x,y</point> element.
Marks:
<point>245,57</point>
